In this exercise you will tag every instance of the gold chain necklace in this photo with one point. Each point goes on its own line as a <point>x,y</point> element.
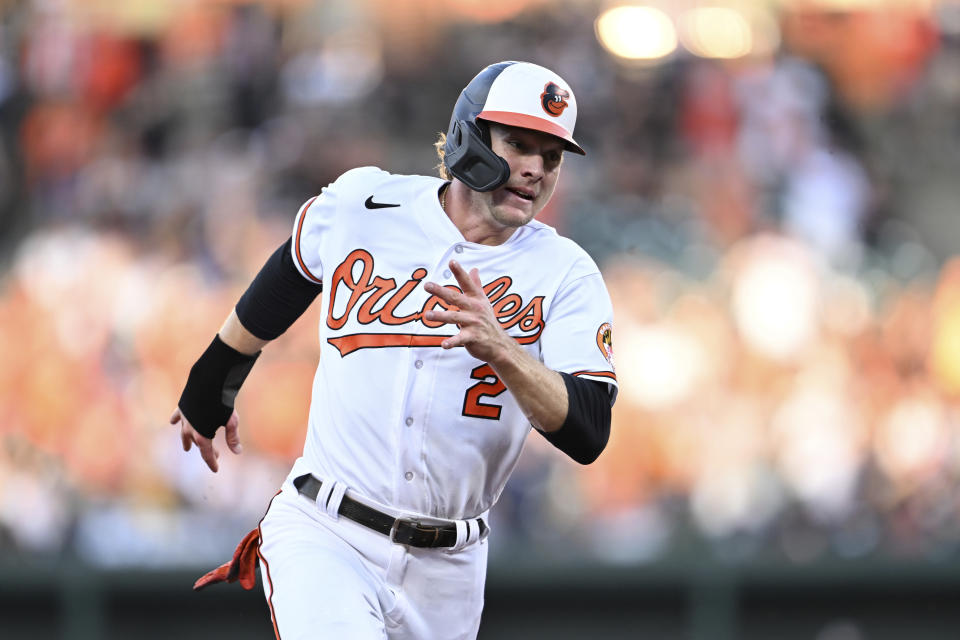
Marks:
<point>443,197</point>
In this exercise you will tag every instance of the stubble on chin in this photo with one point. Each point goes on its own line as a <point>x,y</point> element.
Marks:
<point>511,217</point>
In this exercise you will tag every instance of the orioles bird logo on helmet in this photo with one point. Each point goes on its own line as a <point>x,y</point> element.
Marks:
<point>554,99</point>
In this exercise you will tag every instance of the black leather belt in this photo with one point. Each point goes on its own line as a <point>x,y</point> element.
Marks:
<point>399,530</point>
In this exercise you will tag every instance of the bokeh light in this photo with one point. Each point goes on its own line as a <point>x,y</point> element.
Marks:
<point>776,298</point>
<point>715,32</point>
<point>661,364</point>
<point>636,33</point>
<point>912,441</point>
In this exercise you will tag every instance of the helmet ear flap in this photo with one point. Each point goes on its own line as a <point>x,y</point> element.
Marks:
<point>468,156</point>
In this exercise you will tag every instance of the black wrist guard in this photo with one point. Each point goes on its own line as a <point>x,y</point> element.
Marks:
<point>207,399</point>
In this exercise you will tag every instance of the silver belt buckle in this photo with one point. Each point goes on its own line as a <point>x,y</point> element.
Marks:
<point>393,529</point>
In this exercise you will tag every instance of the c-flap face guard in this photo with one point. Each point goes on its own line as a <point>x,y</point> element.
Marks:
<point>472,161</point>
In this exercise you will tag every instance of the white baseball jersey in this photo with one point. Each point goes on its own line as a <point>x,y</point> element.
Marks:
<point>394,416</point>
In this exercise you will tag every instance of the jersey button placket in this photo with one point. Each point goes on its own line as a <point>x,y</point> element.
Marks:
<point>413,421</point>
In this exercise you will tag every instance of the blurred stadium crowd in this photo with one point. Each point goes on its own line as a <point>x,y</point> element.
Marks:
<point>776,232</point>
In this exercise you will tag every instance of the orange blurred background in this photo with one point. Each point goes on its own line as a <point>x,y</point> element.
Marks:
<point>775,215</point>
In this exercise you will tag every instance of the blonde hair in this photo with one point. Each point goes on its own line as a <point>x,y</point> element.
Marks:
<point>439,145</point>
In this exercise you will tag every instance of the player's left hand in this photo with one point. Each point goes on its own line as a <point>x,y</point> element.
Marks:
<point>480,331</point>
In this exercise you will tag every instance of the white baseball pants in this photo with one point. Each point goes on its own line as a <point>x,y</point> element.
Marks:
<point>327,577</point>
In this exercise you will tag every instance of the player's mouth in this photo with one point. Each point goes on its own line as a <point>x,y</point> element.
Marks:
<point>523,194</point>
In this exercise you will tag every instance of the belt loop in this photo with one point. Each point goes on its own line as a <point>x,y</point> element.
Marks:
<point>323,495</point>
<point>468,532</point>
<point>332,505</point>
<point>329,496</point>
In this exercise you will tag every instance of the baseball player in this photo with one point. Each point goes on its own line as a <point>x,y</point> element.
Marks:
<point>453,321</point>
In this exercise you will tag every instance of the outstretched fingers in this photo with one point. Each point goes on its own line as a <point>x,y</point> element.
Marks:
<point>447,317</point>
<point>469,282</point>
<point>177,418</point>
<point>469,294</point>
<point>190,436</point>
<point>232,433</point>
<point>208,452</point>
<point>450,295</point>
<point>459,340</point>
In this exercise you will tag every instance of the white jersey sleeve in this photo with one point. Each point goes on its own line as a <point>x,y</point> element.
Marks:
<point>309,228</point>
<point>313,226</point>
<point>578,333</point>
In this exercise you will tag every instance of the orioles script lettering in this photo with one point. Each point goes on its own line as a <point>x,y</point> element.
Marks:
<point>370,298</point>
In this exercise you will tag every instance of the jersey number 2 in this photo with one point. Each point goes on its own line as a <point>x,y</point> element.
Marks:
<point>489,386</point>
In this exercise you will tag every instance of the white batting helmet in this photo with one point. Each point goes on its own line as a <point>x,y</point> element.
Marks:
<point>518,94</point>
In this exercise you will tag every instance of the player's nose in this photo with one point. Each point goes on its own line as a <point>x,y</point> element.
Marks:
<point>532,166</point>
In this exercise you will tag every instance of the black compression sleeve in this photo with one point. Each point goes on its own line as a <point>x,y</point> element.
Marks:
<point>276,297</point>
<point>585,432</point>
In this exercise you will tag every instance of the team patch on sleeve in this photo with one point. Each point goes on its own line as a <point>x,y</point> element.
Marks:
<point>605,341</point>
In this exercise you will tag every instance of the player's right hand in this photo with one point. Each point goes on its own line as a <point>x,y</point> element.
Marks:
<point>190,436</point>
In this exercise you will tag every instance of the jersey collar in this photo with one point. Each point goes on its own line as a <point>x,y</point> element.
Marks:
<point>437,224</point>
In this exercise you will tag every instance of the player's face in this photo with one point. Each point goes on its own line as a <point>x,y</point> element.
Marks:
<point>534,158</point>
